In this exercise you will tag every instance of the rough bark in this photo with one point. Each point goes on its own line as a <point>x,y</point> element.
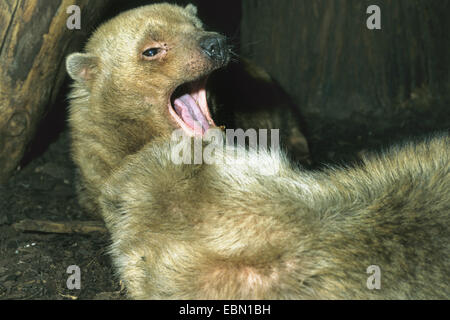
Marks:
<point>34,42</point>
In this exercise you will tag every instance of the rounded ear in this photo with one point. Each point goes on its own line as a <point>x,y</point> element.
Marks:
<point>191,9</point>
<point>81,66</point>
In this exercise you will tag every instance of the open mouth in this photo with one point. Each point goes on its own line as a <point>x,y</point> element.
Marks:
<point>189,108</point>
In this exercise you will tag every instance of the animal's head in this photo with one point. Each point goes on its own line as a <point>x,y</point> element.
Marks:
<point>151,62</point>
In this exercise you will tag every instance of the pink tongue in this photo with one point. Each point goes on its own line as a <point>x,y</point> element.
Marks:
<point>190,112</point>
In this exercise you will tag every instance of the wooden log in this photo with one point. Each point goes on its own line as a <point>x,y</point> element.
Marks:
<point>34,42</point>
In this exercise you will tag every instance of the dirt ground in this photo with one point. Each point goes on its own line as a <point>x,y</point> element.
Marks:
<point>34,265</point>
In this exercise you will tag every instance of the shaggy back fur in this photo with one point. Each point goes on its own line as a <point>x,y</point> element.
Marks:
<point>227,231</point>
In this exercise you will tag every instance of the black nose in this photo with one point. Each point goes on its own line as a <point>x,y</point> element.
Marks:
<point>215,47</point>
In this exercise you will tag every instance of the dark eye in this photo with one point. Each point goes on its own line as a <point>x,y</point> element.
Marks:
<point>151,52</point>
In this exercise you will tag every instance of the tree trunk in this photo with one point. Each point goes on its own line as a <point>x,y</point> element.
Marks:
<point>34,42</point>
<point>338,70</point>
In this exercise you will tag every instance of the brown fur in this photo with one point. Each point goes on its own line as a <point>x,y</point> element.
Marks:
<point>119,100</point>
<point>226,231</point>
